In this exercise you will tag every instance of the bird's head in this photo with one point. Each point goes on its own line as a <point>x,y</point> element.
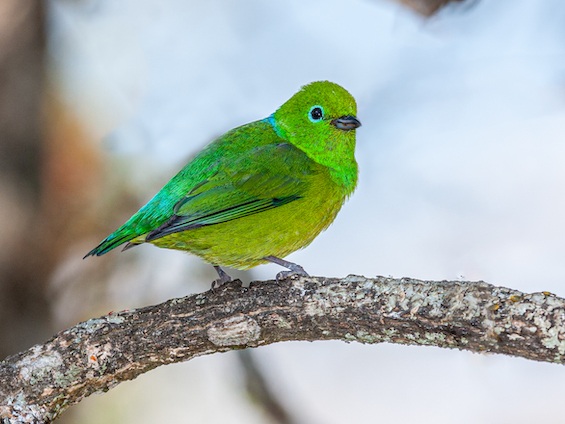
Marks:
<point>320,120</point>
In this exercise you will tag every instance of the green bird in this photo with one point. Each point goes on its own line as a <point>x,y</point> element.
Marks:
<point>260,191</point>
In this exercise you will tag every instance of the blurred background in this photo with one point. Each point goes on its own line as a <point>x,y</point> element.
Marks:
<point>462,176</point>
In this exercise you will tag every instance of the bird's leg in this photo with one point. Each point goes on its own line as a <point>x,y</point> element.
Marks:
<point>294,268</point>
<point>224,277</point>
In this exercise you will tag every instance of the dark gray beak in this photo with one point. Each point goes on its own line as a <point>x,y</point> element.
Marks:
<point>346,123</point>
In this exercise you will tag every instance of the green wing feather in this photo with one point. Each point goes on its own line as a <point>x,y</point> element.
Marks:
<point>261,178</point>
<point>267,177</point>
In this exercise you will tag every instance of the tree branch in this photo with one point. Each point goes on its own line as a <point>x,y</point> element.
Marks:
<point>426,8</point>
<point>96,355</point>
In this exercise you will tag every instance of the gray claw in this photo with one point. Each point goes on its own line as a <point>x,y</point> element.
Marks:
<point>224,278</point>
<point>294,269</point>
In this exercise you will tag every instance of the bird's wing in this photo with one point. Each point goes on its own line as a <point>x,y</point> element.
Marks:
<point>266,177</point>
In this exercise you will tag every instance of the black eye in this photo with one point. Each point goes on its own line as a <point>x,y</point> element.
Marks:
<point>316,113</point>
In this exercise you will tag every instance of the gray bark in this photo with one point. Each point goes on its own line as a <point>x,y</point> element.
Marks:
<point>96,355</point>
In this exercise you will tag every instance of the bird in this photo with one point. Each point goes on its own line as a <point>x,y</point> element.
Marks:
<point>258,192</point>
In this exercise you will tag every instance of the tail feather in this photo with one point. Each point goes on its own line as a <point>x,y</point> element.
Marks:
<point>111,242</point>
<point>129,245</point>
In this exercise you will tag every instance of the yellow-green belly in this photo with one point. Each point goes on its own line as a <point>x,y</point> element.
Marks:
<point>243,243</point>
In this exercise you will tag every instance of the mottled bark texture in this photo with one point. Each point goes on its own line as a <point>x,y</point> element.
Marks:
<point>94,356</point>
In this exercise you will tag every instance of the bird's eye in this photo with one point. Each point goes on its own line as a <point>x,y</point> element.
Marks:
<point>316,113</point>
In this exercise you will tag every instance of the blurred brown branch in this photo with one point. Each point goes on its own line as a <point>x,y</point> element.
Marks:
<point>426,7</point>
<point>24,306</point>
<point>50,180</point>
<point>260,390</point>
<point>94,356</point>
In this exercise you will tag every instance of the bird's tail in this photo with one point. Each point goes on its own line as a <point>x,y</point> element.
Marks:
<point>111,242</point>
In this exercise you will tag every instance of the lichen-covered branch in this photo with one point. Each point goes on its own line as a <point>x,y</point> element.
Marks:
<point>93,356</point>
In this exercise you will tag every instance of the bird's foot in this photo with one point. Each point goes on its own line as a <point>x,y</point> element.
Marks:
<point>223,278</point>
<point>293,269</point>
<point>283,275</point>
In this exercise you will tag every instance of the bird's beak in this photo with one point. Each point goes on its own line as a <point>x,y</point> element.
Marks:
<point>346,123</point>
